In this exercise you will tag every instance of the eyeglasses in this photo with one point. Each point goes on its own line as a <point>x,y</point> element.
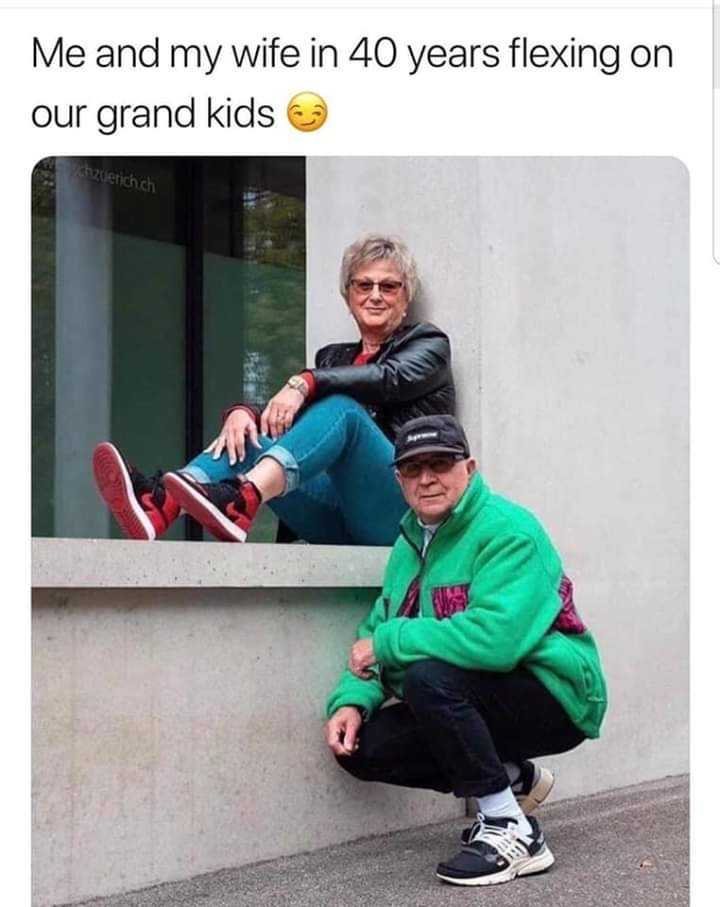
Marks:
<point>440,464</point>
<point>387,288</point>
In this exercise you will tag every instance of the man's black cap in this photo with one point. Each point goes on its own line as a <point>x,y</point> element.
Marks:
<point>430,434</point>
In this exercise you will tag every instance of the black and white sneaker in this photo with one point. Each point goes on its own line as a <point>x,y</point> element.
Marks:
<point>531,789</point>
<point>497,852</point>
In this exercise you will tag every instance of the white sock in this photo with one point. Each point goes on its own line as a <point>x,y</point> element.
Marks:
<point>503,803</point>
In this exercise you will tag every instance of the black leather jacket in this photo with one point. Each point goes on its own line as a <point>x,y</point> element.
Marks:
<point>411,376</point>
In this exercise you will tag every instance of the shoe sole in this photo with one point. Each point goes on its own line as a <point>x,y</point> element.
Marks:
<point>113,483</point>
<point>201,509</point>
<point>541,862</point>
<point>538,793</point>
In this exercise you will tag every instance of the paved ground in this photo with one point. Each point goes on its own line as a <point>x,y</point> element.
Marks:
<point>625,847</point>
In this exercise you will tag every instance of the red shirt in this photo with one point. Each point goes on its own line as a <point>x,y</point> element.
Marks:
<point>307,376</point>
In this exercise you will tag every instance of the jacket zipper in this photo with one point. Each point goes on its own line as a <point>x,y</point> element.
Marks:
<point>423,559</point>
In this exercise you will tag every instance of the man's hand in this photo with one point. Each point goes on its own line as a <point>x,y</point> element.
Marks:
<point>362,658</point>
<point>238,425</point>
<point>341,731</point>
<point>279,414</point>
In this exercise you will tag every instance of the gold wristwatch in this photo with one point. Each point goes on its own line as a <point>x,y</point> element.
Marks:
<point>297,383</point>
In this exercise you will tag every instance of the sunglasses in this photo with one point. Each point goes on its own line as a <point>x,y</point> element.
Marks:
<point>440,464</point>
<point>386,287</point>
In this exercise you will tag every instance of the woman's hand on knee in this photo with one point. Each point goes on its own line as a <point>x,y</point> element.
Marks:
<point>341,731</point>
<point>239,425</point>
<point>279,415</point>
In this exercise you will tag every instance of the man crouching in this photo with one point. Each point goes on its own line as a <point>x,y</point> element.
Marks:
<point>477,635</point>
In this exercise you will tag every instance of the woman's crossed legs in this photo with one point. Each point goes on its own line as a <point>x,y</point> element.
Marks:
<point>336,483</point>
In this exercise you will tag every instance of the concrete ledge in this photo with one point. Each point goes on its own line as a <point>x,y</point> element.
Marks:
<point>105,563</point>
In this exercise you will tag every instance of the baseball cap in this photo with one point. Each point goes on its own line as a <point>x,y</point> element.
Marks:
<point>430,434</point>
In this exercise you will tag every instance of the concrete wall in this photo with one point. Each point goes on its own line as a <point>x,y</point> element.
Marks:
<point>563,283</point>
<point>179,730</point>
<point>432,203</point>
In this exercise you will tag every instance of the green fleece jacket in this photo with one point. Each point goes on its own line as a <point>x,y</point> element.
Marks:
<point>490,594</point>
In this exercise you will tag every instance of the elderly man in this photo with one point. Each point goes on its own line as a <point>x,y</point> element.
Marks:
<point>476,634</point>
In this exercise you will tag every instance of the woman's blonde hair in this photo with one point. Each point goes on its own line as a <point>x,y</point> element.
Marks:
<point>376,247</point>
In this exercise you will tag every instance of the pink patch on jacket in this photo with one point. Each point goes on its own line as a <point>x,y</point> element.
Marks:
<point>409,607</point>
<point>568,620</point>
<point>448,600</point>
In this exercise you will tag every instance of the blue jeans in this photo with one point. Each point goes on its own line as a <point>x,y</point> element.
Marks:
<point>340,485</point>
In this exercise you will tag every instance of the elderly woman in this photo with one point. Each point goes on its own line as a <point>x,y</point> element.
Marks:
<point>320,452</point>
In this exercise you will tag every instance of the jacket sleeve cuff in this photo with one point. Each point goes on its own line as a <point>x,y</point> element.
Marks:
<point>386,642</point>
<point>365,712</point>
<point>309,379</point>
<point>366,700</point>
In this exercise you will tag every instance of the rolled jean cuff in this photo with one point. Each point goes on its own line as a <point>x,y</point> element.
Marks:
<point>196,473</point>
<point>481,788</point>
<point>289,464</point>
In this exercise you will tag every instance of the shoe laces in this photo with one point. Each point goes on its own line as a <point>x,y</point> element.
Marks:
<point>230,492</point>
<point>157,488</point>
<point>148,485</point>
<point>496,836</point>
<point>239,485</point>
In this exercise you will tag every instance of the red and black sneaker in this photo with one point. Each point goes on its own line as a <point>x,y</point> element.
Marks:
<point>142,507</point>
<point>225,509</point>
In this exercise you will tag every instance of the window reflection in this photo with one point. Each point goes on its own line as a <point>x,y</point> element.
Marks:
<point>162,287</point>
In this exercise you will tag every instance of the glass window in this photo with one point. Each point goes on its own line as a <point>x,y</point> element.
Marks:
<point>164,289</point>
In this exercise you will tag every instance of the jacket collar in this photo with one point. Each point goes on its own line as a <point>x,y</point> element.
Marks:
<point>466,509</point>
<point>396,335</point>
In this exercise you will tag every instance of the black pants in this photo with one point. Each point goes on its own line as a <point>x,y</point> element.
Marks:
<point>456,728</point>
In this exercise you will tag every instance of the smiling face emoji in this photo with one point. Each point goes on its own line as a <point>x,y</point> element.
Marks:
<point>307,111</point>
